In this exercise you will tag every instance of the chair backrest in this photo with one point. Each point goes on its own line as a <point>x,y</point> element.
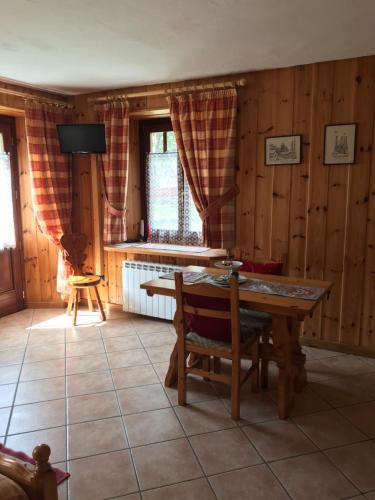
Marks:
<point>74,245</point>
<point>227,310</point>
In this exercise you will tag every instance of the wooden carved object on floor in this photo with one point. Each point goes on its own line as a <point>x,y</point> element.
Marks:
<point>74,246</point>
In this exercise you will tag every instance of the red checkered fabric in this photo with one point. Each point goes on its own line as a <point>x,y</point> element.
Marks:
<point>115,116</point>
<point>50,175</point>
<point>205,128</point>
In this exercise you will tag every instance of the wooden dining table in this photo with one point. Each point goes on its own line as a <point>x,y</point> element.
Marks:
<point>287,313</point>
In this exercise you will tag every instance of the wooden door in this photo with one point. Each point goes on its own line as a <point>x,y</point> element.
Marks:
<point>11,261</point>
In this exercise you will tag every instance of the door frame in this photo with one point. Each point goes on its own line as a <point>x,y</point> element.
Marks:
<point>17,254</point>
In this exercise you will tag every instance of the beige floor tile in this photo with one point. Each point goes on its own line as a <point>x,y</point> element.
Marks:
<point>44,352</point>
<point>160,354</point>
<point>328,429</point>
<point>102,476</point>
<point>123,359</point>
<point>223,451</point>
<point>148,325</point>
<point>367,382</point>
<point>255,407</point>
<point>40,390</point>
<point>55,438</point>
<point>161,370</point>
<point>11,357</point>
<point>85,364</point>
<point>92,407</point>
<point>132,496</point>
<point>336,366</point>
<point>311,477</point>
<point>43,369</point>
<point>37,416</point>
<point>204,417</point>
<point>9,374</point>
<point>134,376</point>
<point>117,328</point>
<point>42,337</point>
<point>145,398</point>
<point>255,483</point>
<point>122,343</point>
<point>278,439</point>
<point>4,417</point>
<point>197,390</point>
<point>78,334</point>
<point>357,462</point>
<point>88,383</point>
<point>370,496</point>
<point>316,353</point>
<point>158,339</point>
<point>308,402</point>
<point>62,489</point>
<point>152,427</point>
<point>342,391</point>
<point>7,395</point>
<point>84,348</point>
<point>13,341</point>
<point>98,436</point>
<point>196,489</point>
<point>165,463</point>
<point>362,416</point>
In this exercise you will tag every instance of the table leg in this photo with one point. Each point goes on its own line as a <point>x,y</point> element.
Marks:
<point>283,352</point>
<point>298,358</point>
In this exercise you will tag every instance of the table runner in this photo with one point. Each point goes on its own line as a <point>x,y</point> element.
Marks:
<point>255,285</point>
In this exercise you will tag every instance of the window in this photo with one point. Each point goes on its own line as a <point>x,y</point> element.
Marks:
<point>169,210</point>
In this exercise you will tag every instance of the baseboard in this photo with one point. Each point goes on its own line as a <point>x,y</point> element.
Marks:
<point>333,346</point>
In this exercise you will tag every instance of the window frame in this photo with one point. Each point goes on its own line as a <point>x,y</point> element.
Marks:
<point>146,127</point>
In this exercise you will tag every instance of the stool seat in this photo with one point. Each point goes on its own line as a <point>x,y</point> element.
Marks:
<point>84,281</point>
<point>74,245</point>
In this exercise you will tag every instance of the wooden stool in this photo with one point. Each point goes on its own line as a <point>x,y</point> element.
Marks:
<point>74,246</point>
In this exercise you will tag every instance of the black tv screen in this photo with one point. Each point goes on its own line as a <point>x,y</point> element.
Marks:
<point>87,138</point>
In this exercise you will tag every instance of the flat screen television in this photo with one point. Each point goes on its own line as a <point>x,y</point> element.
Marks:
<point>84,138</point>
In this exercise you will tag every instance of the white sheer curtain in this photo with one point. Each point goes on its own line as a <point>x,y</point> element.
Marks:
<point>7,234</point>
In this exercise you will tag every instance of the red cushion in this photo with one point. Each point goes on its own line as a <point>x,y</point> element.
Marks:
<point>212,328</point>
<point>262,267</point>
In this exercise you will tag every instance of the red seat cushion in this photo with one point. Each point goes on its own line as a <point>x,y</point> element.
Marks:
<point>262,267</point>
<point>212,328</point>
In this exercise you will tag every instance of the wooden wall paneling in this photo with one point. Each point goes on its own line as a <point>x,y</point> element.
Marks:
<point>338,186</point>
<point>283,101</point>
<point>322,88</point>
<point>358,201</point>
<point>246,175</point>
<point>30,250</point>
<point>264,175</point>
<point>367,333</point>
<point>300,175</point>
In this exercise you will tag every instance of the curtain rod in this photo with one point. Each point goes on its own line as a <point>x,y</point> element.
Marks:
<point>35,97</point>
<point>177,90</point>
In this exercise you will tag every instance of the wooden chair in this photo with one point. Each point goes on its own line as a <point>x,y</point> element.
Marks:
<point>19,481</point>
<point>74,246</point>
<point>244,342</point>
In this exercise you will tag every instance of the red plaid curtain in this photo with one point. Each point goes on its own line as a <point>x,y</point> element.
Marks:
<point>50,177</point>
<point>115,116</point>
<point>205,128</point>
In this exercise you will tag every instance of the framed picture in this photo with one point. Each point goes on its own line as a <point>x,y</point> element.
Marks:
<point>339,144</point>
<point>283,150</point>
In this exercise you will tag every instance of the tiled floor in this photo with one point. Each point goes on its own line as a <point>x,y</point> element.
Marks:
<point>95,395</point>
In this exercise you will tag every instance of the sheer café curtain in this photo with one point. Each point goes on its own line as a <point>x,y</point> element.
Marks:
<point>205,128</point>
<point>50,178</point>
<point>114,168</point>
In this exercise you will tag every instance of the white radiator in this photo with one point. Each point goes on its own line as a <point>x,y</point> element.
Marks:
<point>136,300</point>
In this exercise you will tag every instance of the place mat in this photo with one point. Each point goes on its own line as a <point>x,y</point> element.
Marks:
<point>61,475</point>
<point>283,289</point>
<point>254,285</point>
